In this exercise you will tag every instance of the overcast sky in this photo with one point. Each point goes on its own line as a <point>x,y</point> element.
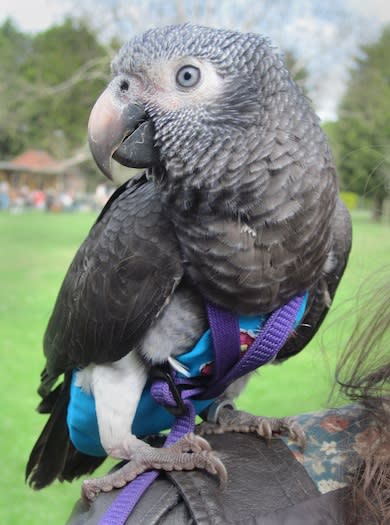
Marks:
<point>308,28</point>
<point>35,15</point>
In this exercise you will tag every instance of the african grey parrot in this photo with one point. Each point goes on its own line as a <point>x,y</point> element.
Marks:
<point>238,206</point>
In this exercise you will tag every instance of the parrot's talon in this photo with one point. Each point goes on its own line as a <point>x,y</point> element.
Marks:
<point>88,492</point>
<point>238,421</point>
<point>189,453</point>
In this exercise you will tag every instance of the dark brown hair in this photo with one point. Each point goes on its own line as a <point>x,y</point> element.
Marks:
<point>363,373</point>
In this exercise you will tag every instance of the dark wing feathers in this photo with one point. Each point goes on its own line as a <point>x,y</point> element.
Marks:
<point>325,287</point>
<point>122,275</point>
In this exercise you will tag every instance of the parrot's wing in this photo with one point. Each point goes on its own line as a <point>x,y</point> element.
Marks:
<point>321,294</point>
<point>120,279</point>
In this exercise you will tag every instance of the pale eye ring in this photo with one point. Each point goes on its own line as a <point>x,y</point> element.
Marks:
<point>188,76</point>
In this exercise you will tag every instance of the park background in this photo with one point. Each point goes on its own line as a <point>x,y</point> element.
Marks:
<point>54,60</point>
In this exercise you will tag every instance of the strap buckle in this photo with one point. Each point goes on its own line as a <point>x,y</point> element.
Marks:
<point>162,373</point>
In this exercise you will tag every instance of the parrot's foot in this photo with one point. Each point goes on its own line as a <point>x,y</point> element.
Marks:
<point>188,453</point>
<point>231,420</point>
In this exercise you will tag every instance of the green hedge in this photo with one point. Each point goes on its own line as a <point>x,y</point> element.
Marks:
<point>350,199</point>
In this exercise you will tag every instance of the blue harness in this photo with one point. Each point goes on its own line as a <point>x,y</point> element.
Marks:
<point>150,417</point>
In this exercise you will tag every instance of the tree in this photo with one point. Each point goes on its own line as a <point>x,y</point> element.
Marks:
<point>51,83</point>
<point>297,69</point>
<point>362,133</point>
<point>15,48</point>
<point>67,70</point>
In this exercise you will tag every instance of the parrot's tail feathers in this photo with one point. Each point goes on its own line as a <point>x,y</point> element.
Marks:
<point>45,389</point>
<point>48,457</point>
<point>54,456</point>
<point>46,406</point>
<point>78,464</point>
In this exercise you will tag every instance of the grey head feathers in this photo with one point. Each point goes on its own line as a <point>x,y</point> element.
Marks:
<point>247,94</point>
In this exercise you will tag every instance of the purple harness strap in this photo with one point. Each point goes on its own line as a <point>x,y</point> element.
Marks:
<point>128,497</point>
<point>227,368</point>
<point>225,333</point>
<point>264,348</point>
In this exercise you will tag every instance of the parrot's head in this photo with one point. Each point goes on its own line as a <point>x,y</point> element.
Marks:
<point>189,102</point>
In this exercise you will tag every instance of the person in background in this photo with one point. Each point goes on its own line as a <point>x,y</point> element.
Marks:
<point>39,199</point>
<point>4,195</point>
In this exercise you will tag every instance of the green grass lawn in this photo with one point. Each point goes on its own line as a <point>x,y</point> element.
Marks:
<point>36,251</point>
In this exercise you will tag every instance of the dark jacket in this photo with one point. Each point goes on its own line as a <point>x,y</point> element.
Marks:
<point>266,486</point>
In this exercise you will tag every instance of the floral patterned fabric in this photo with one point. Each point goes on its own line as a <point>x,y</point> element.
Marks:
<point>334,439</point>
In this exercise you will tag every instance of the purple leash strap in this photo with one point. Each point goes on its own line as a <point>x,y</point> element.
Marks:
<point>227,368</point>
<point>129,496</point>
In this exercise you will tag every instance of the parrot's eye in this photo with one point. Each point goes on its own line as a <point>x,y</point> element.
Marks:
<point>188,76</point>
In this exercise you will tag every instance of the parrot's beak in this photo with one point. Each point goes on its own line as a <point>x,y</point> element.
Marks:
<point>122,131</point>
